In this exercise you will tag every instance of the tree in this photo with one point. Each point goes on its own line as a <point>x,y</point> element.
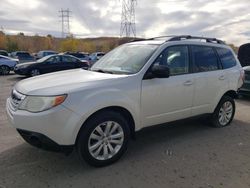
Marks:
<point>2,40</point>
<point>11,45</point>
<point>69,44</point>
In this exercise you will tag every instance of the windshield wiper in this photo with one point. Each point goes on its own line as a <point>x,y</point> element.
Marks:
<point>102,71</point>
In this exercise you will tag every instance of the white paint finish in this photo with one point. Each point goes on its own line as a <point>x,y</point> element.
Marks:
<point>167,99</point>
<point>150,102</point>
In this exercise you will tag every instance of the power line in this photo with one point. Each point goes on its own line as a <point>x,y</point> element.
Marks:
<point>128,27</point>
<point>64,14</point>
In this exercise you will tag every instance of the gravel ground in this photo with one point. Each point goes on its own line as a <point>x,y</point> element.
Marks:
<point>186,154</point>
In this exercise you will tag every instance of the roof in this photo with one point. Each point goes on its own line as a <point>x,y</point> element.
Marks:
<point>178,38</point>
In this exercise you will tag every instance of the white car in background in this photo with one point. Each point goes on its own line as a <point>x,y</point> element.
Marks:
<point>136,85</point>
<point>7,64</point>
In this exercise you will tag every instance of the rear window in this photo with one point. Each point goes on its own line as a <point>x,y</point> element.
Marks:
<point>23,54</point>
<point>204,59</point>
<point>227,58</point>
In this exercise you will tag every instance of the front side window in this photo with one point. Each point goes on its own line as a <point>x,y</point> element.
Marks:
<point>227,58</point>
<point>54,59</point>
<point>126,59</point>
<point>176,58</point>
<point>204,59</point>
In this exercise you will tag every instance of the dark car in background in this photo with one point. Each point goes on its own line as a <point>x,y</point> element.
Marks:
<point>244,55</point>
<point>245,89</point>
<point>4,53</point>
<point>49,64</point>
<point>44,53</point>
<point>244,58</point>
<point>22,56</point>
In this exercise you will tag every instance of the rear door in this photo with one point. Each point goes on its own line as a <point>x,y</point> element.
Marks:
<point>210,79</point>
<point>69,62</point>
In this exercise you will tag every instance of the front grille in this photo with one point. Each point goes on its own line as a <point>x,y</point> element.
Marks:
<point>247,75</point>
<point>16,99</point>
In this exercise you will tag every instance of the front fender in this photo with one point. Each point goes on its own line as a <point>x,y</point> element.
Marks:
<point>87,103</point>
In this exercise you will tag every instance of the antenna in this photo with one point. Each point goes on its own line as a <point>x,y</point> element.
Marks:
<point>128,28</point>
<point>65,20</point>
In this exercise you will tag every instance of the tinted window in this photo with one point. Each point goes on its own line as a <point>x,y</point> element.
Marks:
<point>227,58</point>
<point>78,55</point>
<point>3,53</point>
<point>176,58</point>
<point>67,59</point>
<point>204,59</point>
<point>54,59</point>
<point>23,55</point>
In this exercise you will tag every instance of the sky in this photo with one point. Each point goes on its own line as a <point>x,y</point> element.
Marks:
<point>228,20</point>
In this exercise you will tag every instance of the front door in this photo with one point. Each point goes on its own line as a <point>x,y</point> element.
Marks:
<point>169,99</point>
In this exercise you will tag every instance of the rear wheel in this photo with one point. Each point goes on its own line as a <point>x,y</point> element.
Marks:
<point>224,112</point>
<point>34,72</point>
<point>103,139</point>
<point>4,70</point>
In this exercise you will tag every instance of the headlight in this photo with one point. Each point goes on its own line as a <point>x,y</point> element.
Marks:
<point>39,104</point>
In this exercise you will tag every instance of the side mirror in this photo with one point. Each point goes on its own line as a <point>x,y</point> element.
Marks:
<point>160,71</point>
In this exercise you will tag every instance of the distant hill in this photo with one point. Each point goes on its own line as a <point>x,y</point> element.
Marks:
<point>36,43</point>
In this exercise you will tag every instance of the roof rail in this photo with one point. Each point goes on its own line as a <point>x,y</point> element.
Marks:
<point>187,37</point>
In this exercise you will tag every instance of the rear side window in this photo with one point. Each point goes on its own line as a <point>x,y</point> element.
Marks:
<point>227,58</point>
<point>204,59</point>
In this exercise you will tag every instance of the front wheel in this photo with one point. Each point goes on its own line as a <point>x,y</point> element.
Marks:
<point>34,72</point>
<point>4,70</point>
<point>224,112</point>
<point>103,139</point>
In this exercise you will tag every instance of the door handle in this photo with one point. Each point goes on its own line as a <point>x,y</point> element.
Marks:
<point>188,83</point>
<point>222,77</point>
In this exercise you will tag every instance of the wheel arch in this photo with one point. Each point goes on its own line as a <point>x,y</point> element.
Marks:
<point>231,93</point>
<point>123,111</point>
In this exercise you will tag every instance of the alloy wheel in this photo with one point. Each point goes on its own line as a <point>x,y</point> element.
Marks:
<point>106,140</point>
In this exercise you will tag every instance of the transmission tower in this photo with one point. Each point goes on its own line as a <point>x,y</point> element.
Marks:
<point>65,20</point>
<point>128,28</point>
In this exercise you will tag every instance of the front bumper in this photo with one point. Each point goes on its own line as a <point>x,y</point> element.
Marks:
<point>59,124</point>
<point>245,89</point>
<point>43,142</point>
<point>20,71</point>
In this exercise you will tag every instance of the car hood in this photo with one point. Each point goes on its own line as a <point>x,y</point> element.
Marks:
<point>27,63</point>
<point>64,82</point>
<point>247,68</point>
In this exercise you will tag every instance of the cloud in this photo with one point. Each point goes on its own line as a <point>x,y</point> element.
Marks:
<point>228,19</point>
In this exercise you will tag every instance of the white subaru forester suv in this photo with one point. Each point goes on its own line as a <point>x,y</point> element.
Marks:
<point>136,85</point>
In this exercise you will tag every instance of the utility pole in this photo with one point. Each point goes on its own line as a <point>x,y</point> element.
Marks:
<point>64,14</point>
<point>128,28</point>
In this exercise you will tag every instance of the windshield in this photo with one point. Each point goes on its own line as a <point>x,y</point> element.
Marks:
<point>44,58</point>
<point>126,59</point>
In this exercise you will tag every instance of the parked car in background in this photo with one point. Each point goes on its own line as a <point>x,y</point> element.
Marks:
<point>96,56</point>
<point>22,56</point>
<point>244,55</point>
<point>4,53</point>
<point>7,64</point>
<point>44,53</point>
<point>136,85</point>
<point>79,55</point>
<point>51,63</point>
<point>245,89</point>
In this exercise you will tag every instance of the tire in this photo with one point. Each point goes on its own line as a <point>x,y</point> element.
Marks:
<point>224,112</point>
<point>4,70</point>
<point>34,72</point>
<point>86,139</point>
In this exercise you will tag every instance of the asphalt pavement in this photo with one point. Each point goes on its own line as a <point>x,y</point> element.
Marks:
<point>183,154</point>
